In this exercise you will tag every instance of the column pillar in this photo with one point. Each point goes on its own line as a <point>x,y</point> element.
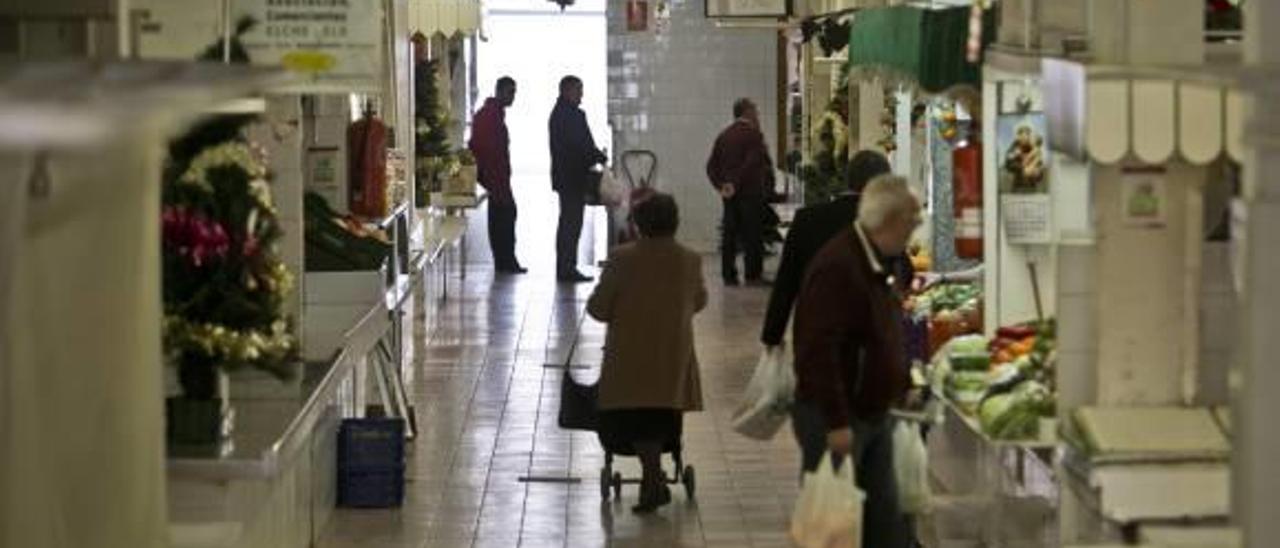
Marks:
<point>1257,439</point>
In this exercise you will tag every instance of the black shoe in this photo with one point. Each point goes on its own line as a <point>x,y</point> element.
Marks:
<point>652,499</point>
<point>759,282</point>
<point>574,278</point>
<point>512,269</point>
<point>731,282</point>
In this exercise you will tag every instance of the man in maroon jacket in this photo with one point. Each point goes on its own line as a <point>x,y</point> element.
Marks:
<point>742,172</point>
<point>491,146</point>
<point>850,358</point>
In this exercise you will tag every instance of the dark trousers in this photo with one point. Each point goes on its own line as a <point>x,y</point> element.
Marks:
<point>884,525</point>
<point>568,231</point>
<point>502,233</point>
<point>742,228</point>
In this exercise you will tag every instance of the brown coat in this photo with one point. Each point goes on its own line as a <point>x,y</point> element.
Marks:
<point>648,295</point>
<point>850,357</point>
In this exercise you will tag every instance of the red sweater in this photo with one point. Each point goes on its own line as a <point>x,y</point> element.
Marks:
<point>741,157</point>
<point>491,145</point>
<point>850,357</point>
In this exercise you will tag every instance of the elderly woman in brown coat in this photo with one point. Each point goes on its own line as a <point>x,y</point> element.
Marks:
<point>648,295</point>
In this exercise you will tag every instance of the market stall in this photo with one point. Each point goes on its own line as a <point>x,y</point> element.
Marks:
<point>336,141</point>
<point>1163,303</point>
<point>83,424</point>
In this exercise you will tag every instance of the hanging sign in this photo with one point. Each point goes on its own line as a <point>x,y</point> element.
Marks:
<point>335,44</point>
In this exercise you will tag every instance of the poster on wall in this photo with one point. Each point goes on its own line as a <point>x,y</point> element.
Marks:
<point>1023,153</point>
<point>335,44</point>
<point>1143,199</point>
<point>326,175</point>
<point>746,8</point>
<point>1026,208</point>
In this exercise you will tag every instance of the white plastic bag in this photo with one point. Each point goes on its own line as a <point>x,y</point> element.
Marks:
<point>766,404</point>
<point>612,191</point>
<point>829,511</point>
<point>911,467</point>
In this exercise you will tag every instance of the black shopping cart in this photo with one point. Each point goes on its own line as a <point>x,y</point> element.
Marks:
<point>579,411</point>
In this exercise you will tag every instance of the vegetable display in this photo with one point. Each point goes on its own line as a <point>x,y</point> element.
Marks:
<point>1007,382</point>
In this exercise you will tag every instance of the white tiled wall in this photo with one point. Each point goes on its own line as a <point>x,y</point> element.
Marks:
<point>672,92</point>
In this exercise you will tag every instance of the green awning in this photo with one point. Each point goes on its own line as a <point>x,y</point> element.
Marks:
<point>923,45</point>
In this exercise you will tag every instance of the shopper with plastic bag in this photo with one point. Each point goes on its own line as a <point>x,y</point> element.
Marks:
<point>850,353</point>
<point>766,405</point>
<point>829,512</point>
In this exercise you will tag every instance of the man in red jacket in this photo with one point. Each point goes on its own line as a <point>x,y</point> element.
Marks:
<point>742,173</point>
<point>491,145</point>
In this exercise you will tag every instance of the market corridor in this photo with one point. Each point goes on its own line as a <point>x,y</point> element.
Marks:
<point>487,402</point>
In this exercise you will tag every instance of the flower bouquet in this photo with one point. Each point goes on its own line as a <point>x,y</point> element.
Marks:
<point>224,284</point>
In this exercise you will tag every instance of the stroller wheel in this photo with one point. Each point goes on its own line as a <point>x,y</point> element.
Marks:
<point>604,483</point>
<point>690,483</point>
<point>617,485</point>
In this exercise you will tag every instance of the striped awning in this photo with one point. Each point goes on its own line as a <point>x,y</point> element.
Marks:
<point>1109,114</point>
<point>447,17</point>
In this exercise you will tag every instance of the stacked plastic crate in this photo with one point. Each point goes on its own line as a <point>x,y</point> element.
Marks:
<point>371,463</point>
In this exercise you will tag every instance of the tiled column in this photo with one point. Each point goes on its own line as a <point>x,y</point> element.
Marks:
<point>1257,485</point>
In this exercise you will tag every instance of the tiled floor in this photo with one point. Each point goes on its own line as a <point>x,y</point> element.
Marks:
<point>487,405</point>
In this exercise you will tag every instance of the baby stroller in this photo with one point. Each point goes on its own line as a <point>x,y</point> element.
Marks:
<point>579,410</point>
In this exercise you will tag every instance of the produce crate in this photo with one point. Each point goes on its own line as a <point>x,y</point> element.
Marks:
<point>371,444</point>
<point>373,488</point>
<point>371,463</point>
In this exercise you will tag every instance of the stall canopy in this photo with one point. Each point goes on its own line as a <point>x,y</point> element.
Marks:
<point>447,17</point>
<point>1109,114</point>
<point>924,46</point>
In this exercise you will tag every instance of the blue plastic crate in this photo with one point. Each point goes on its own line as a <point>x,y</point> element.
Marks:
<point>371,444</point>
<point>371,488</point>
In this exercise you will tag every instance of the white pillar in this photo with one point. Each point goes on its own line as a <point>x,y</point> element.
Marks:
<point>81,398</point>
<point>1257,440</point>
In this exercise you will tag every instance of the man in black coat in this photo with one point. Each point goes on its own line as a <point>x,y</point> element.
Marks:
<point>573,154</point>
<point>811,229</point>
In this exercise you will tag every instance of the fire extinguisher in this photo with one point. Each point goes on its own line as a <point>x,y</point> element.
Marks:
<point>367,166</point>
<point>966,161</point>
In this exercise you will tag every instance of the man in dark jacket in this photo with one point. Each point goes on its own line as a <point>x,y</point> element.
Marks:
<point>811,229</point>
<point>573,154</point>
<point>742,173</point>
<point>850,352</point>
<point>490,144</point>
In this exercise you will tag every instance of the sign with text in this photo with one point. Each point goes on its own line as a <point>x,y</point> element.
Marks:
<point>336,44</point>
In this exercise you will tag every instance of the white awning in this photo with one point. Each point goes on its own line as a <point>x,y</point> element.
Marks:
<point>1112,113</point>
<point>447,17</point>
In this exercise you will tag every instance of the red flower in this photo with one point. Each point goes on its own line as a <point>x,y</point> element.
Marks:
<point>193,236</point>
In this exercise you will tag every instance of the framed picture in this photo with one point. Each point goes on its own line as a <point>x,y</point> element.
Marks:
<point>747,8</point>
<point>1143,199</point>
<point>1023,153</point>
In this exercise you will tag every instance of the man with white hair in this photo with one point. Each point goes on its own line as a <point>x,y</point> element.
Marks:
<point>850,359</point>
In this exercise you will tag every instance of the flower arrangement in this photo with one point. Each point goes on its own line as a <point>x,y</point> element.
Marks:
<point>823,175</point>
<point>224,285</point>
